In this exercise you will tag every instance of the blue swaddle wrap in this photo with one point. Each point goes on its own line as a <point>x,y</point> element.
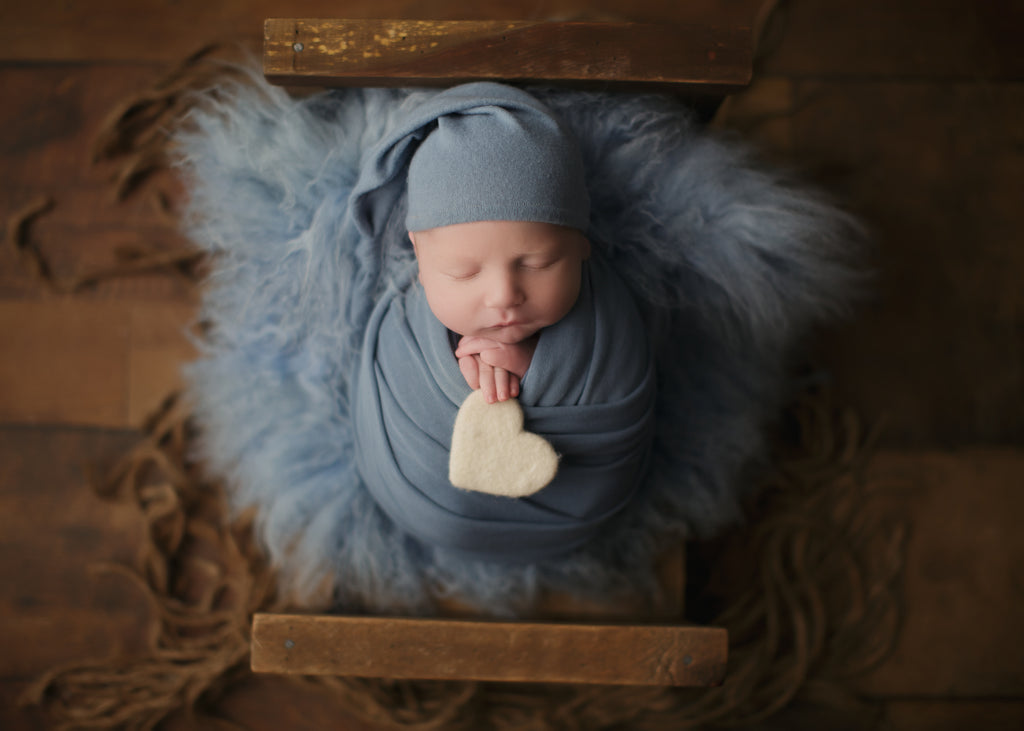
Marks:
<point>589,391</point>
<point>480,152</point>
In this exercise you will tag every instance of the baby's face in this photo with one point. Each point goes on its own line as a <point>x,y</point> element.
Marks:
<point>502,280</point>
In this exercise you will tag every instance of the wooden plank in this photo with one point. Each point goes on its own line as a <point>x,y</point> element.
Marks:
<point>925,715</point>
<point>804,714</point>
<point>87,362</point>
<point>878,38</point>
<point>499,651</point>
<point>961,635</point>
<point>123,30</point>
<point>278,703</point>
<point>54,607</point>
<point>63,361</point>
<point>923,39</point>
<point>414,52</point>
<point>159,349</point>
<point>937,348</point>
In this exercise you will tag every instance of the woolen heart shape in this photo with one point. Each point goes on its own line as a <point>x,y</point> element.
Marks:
<point>491,452</point>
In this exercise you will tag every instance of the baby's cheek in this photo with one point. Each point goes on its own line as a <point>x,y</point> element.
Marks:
<point>445,306</point>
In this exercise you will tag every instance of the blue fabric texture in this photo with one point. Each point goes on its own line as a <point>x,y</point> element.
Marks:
<point>730,264</point>
<point>589,391</point>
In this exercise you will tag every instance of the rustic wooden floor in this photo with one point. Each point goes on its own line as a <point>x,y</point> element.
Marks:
<point>911,111</point>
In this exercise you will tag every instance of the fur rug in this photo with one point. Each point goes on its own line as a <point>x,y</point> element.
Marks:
<point>732,264</point>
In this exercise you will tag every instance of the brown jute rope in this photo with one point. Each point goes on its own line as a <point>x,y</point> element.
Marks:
<point>822,606</point>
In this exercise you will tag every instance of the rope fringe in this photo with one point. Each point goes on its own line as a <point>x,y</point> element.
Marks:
<point>202,576</point>
<point>134,139</point>
<point>820,606</point>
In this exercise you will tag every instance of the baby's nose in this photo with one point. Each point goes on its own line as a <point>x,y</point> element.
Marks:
<point>503,291</point>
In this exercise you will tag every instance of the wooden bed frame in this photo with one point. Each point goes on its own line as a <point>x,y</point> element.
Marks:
<point>566,641</point>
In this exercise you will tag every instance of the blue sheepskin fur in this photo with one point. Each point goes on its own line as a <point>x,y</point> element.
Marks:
<point>731,263</point>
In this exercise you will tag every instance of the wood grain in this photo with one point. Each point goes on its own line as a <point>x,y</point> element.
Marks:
<point>62,361</point>
<point>276,703</point>
<point>411,52</point>
<point>55,606</point>
<point>936,171</point>
<point>923,39</point>
<point>95,363</point>
<point>498,651</point>
<point>964,588</point>
<point>923,715</point>
<point>148,31</point>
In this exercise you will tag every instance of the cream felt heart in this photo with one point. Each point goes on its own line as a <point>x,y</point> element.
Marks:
<point>491,453</point>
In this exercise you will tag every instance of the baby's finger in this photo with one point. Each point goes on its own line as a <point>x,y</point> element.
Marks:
<point>473,345</point>
<point>513,385</point>
<point>501,383</point>
<point>487,382</point>
<point>470,371</point>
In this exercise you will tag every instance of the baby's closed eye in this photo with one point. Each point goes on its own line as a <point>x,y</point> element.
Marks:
<point>539,263</point>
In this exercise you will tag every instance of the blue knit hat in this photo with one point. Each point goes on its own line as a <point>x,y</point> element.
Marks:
<point>507,158</point>
<point>476,152</point>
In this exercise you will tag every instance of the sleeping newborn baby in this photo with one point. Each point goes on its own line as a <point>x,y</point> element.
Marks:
<point>509,300</point>
<point>497,208</point>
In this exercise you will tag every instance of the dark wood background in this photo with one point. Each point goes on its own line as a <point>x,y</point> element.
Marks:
<point>912,112</point>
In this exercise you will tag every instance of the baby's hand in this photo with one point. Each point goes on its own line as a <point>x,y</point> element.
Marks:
<point>514,358</point>
<point>493,367</point>
<point>497,384</point>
